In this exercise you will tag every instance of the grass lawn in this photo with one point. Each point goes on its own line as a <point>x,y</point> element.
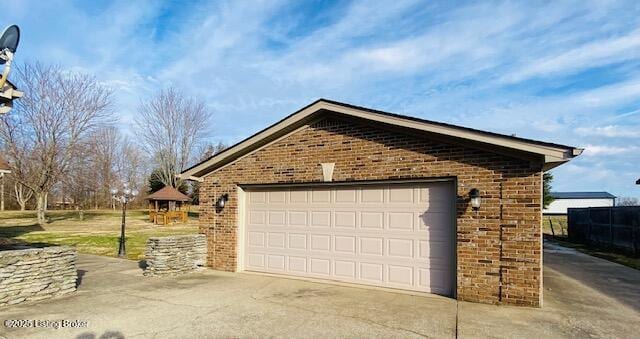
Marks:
<point>98,233</point>
<point>560,228</point>
<point>600,253</point>
<point>559,223</point>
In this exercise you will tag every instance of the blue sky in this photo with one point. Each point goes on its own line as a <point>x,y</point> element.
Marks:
<point>563,71</point>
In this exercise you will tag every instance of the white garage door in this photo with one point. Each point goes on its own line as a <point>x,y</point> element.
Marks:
<point>398,236</point>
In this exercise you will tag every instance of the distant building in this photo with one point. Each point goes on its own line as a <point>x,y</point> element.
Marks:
<point>564,200</point>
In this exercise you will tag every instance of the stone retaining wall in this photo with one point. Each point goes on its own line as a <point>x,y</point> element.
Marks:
<point>36,274</point>
<point>175,254</point>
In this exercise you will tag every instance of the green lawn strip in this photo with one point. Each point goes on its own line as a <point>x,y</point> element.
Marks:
<point>103,243</point>
<point>559,224</point>
<point>601,253</point>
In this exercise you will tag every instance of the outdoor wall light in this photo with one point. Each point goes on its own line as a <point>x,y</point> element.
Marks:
<point>222,201</point>
<point>476,200</point>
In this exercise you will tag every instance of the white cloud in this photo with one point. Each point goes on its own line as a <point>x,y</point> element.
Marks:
<point>611,131</point>
<point>606,150</point>
<point>591,175</point>
<point>597,53</point>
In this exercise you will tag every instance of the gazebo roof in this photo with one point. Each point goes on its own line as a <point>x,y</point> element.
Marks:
<point>4,166</point>
<point>168,193</point>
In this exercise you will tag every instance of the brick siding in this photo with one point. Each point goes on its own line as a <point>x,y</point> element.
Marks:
<point>510,187</point>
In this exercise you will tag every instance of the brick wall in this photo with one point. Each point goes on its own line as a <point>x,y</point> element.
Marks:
<point>510,187</point>
<point>34,274</point>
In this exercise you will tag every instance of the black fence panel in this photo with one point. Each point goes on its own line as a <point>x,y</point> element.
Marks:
<point>606,227</point>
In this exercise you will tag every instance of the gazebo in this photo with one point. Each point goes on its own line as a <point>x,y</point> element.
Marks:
<point>168,205</point>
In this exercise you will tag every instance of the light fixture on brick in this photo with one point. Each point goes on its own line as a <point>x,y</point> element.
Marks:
<point>222,201</point>
<point>475,198</point>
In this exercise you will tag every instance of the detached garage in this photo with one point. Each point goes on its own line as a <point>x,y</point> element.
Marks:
<point>344,193</point>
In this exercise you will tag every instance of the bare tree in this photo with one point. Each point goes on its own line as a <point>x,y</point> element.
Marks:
<point>82,179</point>
<point>22,194</point>
<point>46,127</point>
<point>628,201</point>
<point>171,126</point>
<point>130,163</point>
<point>206,152</point>
<point>104,146</point>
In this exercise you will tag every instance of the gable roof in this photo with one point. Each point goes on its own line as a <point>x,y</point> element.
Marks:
<point>168,193</point>
<point>4,166</point>
<point>551,154</point>
<point>582,195</point>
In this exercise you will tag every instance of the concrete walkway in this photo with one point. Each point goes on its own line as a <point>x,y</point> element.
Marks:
<point>584,297</point>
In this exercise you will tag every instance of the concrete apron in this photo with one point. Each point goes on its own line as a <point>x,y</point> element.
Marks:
<point>115,299</point>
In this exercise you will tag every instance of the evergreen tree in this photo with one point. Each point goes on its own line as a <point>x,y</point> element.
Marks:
<point>546,189</point>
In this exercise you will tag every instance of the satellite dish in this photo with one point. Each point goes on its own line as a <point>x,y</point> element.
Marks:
<point>9,42</point>
<point>8,45</point>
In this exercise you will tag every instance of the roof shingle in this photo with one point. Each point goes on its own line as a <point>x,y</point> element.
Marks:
<point>168,193</point>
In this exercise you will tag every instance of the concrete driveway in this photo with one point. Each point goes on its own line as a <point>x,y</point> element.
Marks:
<point>584,297</point>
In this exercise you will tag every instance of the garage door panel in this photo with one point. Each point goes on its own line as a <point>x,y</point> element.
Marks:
<point>298,218</point>
<point>433,278</point>
<point>345,268</point>
<point>275,262</point>
<point>403,221</point>
<point>433,249</point>
<point>255,239</point>
<point>276,240</point>
<point>321,266</point>
<point>438,207</point>
<point>277,218</point>
<point>372,246</point>
<point>345,219</point>
<point>372,220</point>
<point>297,197</point>
<point>400,195</point>
<point>297,264</point>
<point>255,260</point>
<point>372,271</point>
<point>320,242</point>
<point>277,197</point>
<point>257,218</point>
<point>372,196</point>
<point>297,241</point>
<point>346,196</point>
<point>345,244</point>
<point>320,196</point>
<point>401,248</point>
<point>434,220</point>
<point>321,219</point>
<point>258,198</point>
<point>402,275</point>
<point>392,236</point>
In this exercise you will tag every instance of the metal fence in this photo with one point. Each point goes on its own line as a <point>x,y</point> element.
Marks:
<point>606,227</point>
